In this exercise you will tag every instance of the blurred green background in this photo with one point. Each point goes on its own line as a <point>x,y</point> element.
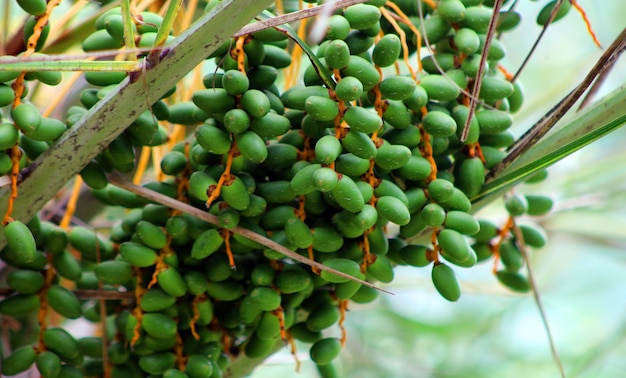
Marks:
<point>492,332</point>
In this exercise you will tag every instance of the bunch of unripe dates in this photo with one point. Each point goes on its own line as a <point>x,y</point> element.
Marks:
<point>364,164</point>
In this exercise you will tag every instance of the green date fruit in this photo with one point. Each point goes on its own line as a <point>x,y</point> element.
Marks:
<point>392,156</point>
<point>346,266</point>
<point>439,124</point>
<point>337,54</point>
<point>159,326</point>
<point>34,7</point>
<point>64,302</point>
<point>387,50</point>
<point>325,350</point>
<point>235,82</point>
<point>514,281</point>
<point>321,108</point>
<point>466,41</point>
<point>544,14</point>
<point>453,244</point>
<point>470,176</point>
<point>61,342</point>
<point>348,195</point>
<point>359,144</point>
<point>393,209</point>
<point>48,364</point>
<point>451,10</point>
<point>157,363</point>
<point>363,70</point>
<point>18,361</point>
<point>362,120</point>
<point>252,147</point>
<point>213,139</point>
<point>19,305</point>
<point>362,16</point>
<point>349,88</point>
<point>439,88</point>
<point>20,242</point>
<point>327,149</point>
<point>445,282</point>
<point>26,117</point>
<point>325,179</point>
<point>397,87</point>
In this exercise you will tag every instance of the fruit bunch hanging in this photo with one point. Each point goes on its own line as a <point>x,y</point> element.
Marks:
<point>366,158</point>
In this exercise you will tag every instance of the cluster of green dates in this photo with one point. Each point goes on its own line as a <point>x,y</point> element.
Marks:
<point>510,254</point>
<point>145,130</point>
<point>26,125</point>
<point>315,168</point>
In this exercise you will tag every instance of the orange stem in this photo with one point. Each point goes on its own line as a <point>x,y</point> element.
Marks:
<point>16,155</point>
<point>342,108</point>
<point>215,192</point>
<point>196,314</point>
<point>137,312</point>
<point>343,307</point>
<point>405,20</point>
<point>476,151</point>
<point>18,88</point>
<point>226,235</point>
<point>160,262</point>
<point>241,56</point>
<point>181,360</point>
<point>371,179</point>
<point>430,3</point>
<point>280,313</point>
<point>300,211</point>
<point>71,203</point>
<point>427,153</point>
<point>292,72</point>
<point>144,160</point>
<point>312,257</point>
<point>495,249</point>
<point>279,7</point>
<point>294,351</point>
<point>402,34</point>
<point>365,246</point>
<point>507,75</point>
<point>42,315</point>
<point>586,21</point>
